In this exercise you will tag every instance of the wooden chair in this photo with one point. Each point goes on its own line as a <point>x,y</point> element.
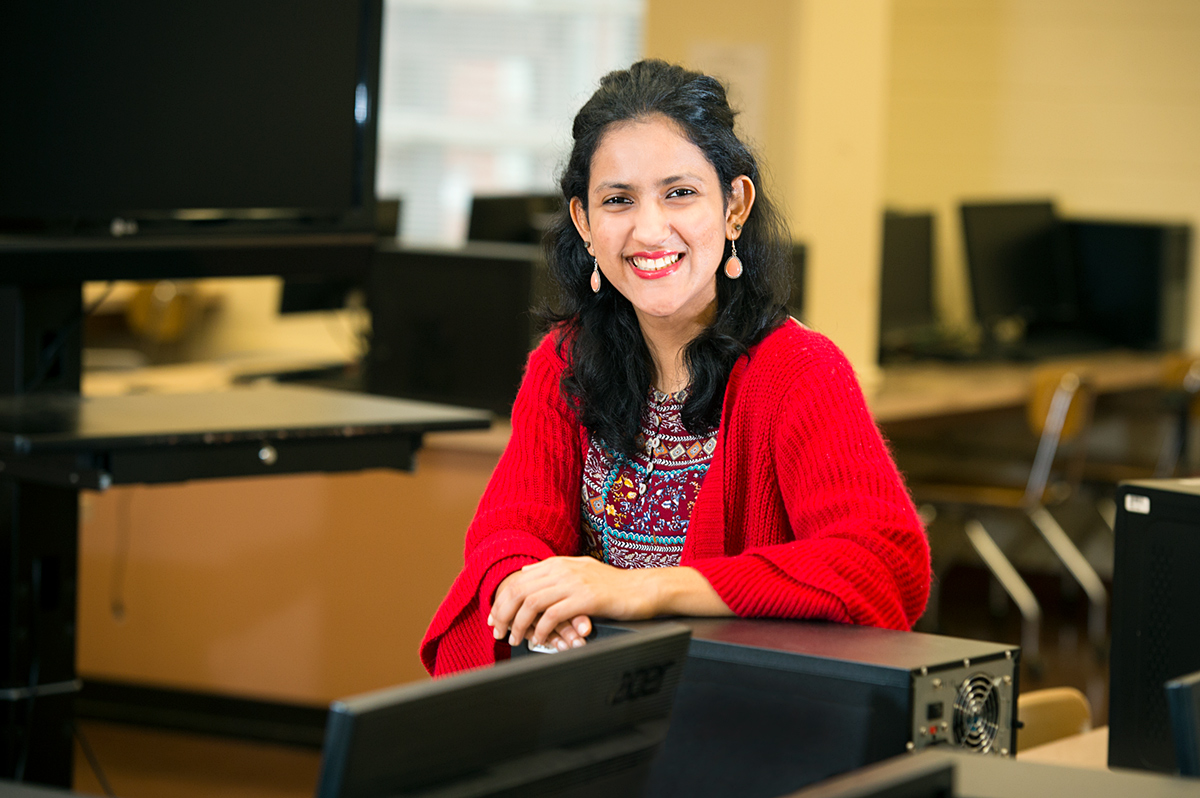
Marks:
<point>1051,714</point>
<point>1058,411</point>
<point>1183,704</point>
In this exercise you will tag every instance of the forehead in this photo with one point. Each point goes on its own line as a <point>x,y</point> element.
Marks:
<point>646,151</point>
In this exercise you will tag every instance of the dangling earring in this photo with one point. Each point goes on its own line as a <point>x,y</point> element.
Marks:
<point>595,276</point>
<point>733,266</point>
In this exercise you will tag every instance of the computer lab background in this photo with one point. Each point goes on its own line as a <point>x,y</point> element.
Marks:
<point>298,590</point>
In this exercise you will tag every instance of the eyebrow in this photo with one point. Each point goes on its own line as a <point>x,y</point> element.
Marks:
<point>664,182</point>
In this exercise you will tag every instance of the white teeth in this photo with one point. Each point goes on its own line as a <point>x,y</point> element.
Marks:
<point>654,264</point>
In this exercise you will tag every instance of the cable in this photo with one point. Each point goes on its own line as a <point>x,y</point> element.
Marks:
<point>120,566</point>
<point>51,352</point>
<point>93,762</point>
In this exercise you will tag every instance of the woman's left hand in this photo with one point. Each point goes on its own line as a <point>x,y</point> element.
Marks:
<point>535,601</point>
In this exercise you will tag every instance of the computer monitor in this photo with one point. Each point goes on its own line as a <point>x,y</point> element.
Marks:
<point>517,219</point>
<point>1155,625</point>
<point>1021,280</point>
<point>580,723</point>
<point>906,312</point>
<point>799,267</point>
<point>452,325</point>
<point>1132,280</point>
<point>1183,703</point>
<point>150,140</point>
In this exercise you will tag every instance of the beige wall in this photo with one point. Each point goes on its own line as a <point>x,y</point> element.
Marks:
<point>1095,104</point>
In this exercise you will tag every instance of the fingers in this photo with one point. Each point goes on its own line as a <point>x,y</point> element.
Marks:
<point>559,614</point>
<point>510,595</point>
<point>573,633</point>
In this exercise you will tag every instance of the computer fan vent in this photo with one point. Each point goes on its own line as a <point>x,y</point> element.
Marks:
<point>977,714</point>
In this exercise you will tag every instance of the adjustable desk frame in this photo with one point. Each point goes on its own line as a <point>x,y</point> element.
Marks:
<point>53,443</point>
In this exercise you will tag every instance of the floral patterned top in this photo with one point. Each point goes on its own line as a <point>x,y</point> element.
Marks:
<point>636,512</point>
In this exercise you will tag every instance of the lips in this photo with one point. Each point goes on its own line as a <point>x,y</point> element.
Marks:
<point>652,265</point>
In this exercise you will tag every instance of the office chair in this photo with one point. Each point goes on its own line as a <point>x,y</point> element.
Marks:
<point>1183,703</point>
<point>1058,411</point>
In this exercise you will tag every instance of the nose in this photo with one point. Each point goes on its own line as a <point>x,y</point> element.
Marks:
<point>652,224</point>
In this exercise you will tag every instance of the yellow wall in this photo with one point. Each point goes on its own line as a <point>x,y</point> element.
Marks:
<point>1093,103</point>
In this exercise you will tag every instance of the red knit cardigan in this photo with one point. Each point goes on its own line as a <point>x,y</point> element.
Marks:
<point>802,513</point>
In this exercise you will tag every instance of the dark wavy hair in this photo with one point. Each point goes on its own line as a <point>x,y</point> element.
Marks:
<point>609,368</point>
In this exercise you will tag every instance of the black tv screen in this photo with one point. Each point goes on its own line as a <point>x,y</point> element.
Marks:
<point>137,117</point>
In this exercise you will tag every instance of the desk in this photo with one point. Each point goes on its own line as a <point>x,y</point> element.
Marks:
<point>1087,750</point>
<point>928,390</point>
<point>993,777</point>
<point>52,445</point>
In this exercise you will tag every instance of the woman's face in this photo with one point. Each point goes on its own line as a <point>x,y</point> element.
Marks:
<point>657,220</point>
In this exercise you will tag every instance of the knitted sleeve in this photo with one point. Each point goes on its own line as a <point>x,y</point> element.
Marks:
<point>859,553</point>
<point>529,511</point>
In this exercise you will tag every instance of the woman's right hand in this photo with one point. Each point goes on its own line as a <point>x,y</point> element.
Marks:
<point>568,634</point>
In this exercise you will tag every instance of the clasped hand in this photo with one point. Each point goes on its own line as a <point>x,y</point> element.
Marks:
<point>552,602</point>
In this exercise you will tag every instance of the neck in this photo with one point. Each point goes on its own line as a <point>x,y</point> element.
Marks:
<point>667,339</point>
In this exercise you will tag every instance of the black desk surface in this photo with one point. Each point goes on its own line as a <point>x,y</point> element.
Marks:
<point>95,442</point>
<point>43,424</point>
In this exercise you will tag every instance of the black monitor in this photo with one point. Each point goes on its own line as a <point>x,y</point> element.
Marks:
<point>799,266</point>
<point>1132,280</point>
<point>452,325</point>
<point>1021,280</point>
<point>584,722</point>
<point>1155,625</point>
<point>143,139</point>
<point>517,219</point>
<point>906,312</point>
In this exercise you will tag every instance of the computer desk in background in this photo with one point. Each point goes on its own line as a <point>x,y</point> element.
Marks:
<point>935,389</point>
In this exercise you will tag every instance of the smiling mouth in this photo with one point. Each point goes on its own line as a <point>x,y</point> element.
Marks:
<point>655,264</point>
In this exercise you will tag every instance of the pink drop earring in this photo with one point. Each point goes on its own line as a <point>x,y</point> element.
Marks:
<point>733,266</point>
<point>595,276</point>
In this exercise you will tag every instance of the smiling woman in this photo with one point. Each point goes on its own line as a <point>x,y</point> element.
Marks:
<point>679,446</point>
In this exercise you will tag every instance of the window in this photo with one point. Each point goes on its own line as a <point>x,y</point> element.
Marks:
<point>477,98</point>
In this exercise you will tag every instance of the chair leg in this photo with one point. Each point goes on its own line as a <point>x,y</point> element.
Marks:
<point>1013,584</point>
<point>1078,566</point>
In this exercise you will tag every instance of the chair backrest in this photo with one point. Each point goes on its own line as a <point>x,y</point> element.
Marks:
<point>1058,411</point>
<point>1183,703</point>
<point>1051,714</point>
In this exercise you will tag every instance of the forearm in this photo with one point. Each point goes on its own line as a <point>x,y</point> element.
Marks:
<point>681,591</point>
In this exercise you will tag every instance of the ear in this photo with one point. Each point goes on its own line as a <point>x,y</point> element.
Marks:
<point>580,219</point>
<point>741,200</point>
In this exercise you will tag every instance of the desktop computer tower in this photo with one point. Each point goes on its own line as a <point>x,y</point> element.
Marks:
<point>1155,616</point>
<point>765,707</point>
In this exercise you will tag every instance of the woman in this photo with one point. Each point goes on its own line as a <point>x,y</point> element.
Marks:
<point>679,445</point>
